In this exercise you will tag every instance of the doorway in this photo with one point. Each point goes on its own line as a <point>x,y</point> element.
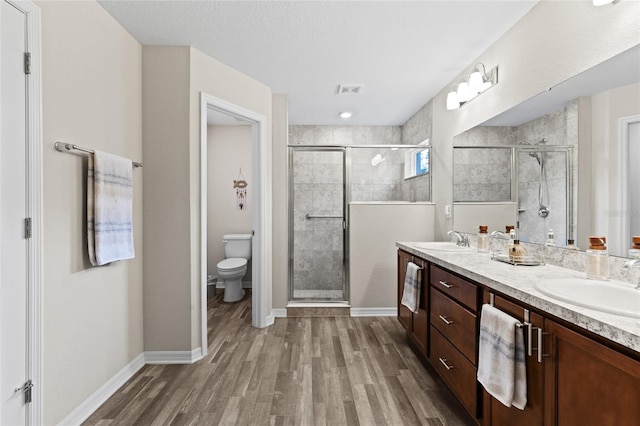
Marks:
<point>260,198</point>
<point>20,215</point>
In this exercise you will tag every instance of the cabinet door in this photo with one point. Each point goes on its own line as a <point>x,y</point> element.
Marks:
<point>588,383</point>
<point>495,413</point>
<point>404,314</point>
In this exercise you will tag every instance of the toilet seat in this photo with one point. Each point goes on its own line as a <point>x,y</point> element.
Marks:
<point>232,263</point>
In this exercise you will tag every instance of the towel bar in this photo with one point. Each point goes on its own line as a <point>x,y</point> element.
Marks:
<point>67,147</point>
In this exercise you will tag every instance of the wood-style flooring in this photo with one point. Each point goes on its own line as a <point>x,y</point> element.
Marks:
<point>300,371</point>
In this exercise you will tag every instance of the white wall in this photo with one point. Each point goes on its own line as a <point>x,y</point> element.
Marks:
<point>229,150</point>
<point>91,96</point>
<point>280,206</point>
<point>374,230</point>
<point>173,80</point>
<point>469,216</point>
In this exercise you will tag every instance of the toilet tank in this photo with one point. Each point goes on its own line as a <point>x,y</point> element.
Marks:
<point>237,245</point>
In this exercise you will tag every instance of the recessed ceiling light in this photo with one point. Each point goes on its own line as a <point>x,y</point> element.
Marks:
<point>345,114</point>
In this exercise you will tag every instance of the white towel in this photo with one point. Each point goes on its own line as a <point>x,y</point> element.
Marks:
<point>501,358</point>
<point>109,208</point>
<point>411,293</point>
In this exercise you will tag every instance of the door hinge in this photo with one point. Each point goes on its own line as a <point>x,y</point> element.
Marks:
<point>27,227</point>
<point>26,388</point>
<point>27,63</point>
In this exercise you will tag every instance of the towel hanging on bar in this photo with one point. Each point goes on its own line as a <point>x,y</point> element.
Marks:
<point>109,208</point>
<point>68,147</point>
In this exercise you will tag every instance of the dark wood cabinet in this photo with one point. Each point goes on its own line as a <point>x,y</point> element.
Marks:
<point>454,335</point>
<point>416,323</point>
<point>588,383</point>
<point>573,376</point>
<point>494,412</point>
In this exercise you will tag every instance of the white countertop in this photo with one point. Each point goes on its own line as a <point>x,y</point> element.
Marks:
<point>518,282</point>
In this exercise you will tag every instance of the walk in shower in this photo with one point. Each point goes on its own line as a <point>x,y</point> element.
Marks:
<point>323,181</point>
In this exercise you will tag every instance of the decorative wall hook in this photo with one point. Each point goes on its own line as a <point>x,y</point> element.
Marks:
<point>240,185</point>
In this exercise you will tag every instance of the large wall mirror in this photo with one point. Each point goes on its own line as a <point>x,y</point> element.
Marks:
<point>566,160</point>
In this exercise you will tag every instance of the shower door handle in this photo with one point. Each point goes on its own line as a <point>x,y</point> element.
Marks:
<point>322,216</point>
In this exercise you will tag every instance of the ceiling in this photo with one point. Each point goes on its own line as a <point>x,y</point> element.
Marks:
<point>402,52</point>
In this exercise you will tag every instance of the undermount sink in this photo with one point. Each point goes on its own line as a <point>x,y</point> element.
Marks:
<point>442,246</point>
<point>605,296</point>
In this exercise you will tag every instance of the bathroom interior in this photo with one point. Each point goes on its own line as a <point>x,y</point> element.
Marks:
<point>515,155</point>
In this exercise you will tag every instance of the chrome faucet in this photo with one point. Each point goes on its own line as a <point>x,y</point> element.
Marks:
<point>497,234</point>
<point>630,264</point>
<point>463,240</point>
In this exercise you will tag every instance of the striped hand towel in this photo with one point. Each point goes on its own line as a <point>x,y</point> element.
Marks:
<point>501,357</point>
<point>109,208</point>
<point>412,284</point>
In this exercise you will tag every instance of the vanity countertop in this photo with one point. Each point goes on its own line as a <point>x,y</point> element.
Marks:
<point>518,283</point>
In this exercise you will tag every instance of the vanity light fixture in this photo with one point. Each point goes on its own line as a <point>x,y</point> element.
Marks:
<point>478,82</point>
<point>345,115</point>
<point>604,2</point>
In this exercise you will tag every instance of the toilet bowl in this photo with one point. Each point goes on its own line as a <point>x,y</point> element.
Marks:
<point>237,250</point>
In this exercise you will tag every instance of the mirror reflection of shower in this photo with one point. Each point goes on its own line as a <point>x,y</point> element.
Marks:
<point>544,192</point>
<point>543,183</point>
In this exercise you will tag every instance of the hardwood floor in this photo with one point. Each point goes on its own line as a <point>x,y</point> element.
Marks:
<point>300,371</point>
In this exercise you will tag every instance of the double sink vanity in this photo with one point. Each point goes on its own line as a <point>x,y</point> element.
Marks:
<point>582,337</point>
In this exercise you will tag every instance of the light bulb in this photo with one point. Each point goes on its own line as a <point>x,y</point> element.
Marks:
<point>345,115</point>
<point>475,82</point>
<point>452,101</point>
<point>463,92</point>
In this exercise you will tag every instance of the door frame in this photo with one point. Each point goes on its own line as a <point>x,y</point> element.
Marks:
<point>261,199</point>
<point>34,209</point>
<point>624,242</point>
<point>346,199</point>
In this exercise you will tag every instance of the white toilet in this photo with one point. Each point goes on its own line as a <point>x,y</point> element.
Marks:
<point>237,252</point>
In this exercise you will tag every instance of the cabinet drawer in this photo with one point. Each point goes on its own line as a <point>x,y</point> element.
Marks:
<point>458,288</point>
<point>455,370</point>
<point>456,323</point>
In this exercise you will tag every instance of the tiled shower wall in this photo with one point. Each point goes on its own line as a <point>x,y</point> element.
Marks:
<point>484,174</point>
<point>383,182</point>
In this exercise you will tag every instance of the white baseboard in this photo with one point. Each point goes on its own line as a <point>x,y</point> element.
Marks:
<point>279,312</point>
<point>374,312</point>
<point>173,357</point>
<point>91,404</point>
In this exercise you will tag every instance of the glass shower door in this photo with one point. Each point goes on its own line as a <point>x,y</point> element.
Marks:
<point>317,258</point>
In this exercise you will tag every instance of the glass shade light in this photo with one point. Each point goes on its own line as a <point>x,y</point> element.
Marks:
<point>601,2</point>
<point>463,92</point>
<point>452,100</point>
<point>345,115</point>
<point>476,82</point>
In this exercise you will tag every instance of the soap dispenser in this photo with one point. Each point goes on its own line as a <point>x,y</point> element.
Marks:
<point>512,237</point>
<point>597,259</point>
<point>634,251</point>
<point>483,239</point>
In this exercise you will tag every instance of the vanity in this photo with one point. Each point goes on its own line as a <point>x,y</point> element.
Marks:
<point>583,365</point>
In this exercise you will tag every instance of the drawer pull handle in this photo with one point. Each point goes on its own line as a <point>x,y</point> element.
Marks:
<point>446,284</point>
<point>444,362</point>
<point>445,319</point>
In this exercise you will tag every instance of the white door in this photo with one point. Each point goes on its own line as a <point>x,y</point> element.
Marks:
<point>14,244</point>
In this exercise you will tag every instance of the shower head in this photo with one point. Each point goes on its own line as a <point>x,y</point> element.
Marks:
<point>535,155</point>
